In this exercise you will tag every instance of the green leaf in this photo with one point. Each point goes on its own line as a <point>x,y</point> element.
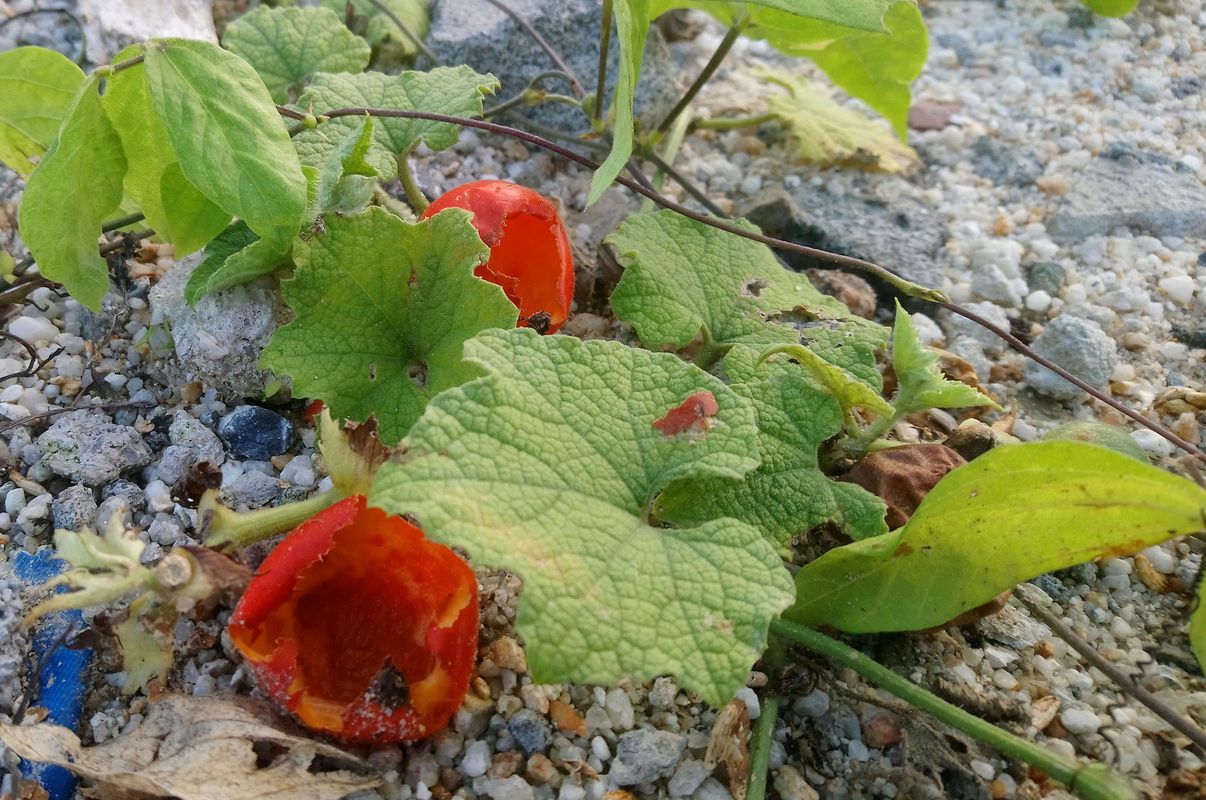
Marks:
<point>1013,513</point>
<point>682,277</point>
<point>346,180</point>
<point>228,137</point>
<point>788,493</point>
<point>852,343</point>
<point>848,389</point>
<point>37,87</point>
<point>383,308</point>
<point>381,31</point>
<point>288,45</point>
<point>864,14</point>
<point>875,67</point>
<point>632,27</point>
<point>445,90</point>
<point>177,211</point>
<point>70,194</point>
<point>548,465</point>
<point>226,244</point>
<point>825,132</point>
<point>1112,8</point>
<point>1197,628</point>
<point>921,384</point>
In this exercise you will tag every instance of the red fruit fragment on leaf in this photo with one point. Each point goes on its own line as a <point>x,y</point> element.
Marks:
<point>361,627</point>
<point>529,248</point>
<point>693,415</point>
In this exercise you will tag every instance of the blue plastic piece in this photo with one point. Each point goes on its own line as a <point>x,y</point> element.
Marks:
<point>61,688</point>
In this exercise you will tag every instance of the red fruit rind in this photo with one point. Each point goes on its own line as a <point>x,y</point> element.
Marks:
<point>693,415</point>
<point>530,254</point>
<point>361,627</point>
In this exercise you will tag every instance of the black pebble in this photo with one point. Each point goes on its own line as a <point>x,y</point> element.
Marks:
<point>256,433</point>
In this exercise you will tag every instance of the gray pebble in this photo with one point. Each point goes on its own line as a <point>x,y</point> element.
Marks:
<point>532,732</point>
<point>1078,345</point>
<point>89,449</point>
<point>645,755</point>
<point>1046,276</point>
<point>130,492</point>
<point>251,490</point>
<point>73,508</point>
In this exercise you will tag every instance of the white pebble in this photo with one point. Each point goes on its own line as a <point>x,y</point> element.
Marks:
<point>1079,720</point>
<point>14,501</point>
<point>476,760</point>
<point>159,497</point>
<point>1152,442</point>
<point>748,696</point>
<point>1161,560</point>
<point>983,769</point>
<point>35,330</point>
<point>1038,301</point>
<point>1005,681</point>
<point>1178,287</point>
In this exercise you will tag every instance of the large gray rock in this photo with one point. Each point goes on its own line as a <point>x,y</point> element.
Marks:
<point>89,449</point>
<point>219,342</point>
<point>478,34</point>
<point>1143,194</point>
<point>1078,345</point>
<point>904,236</point>
<point>112,25</point>
<point>646,755</point>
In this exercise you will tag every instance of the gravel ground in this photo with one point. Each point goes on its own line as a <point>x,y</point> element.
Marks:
<point>1046,117</point>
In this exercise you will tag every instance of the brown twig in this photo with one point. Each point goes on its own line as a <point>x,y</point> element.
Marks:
<point>1111,671</point>
<point>36,362</point>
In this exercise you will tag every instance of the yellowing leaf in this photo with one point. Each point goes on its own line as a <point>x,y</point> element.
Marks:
<point>198,748</point>
<point>1013,513</point>
<point>825,132</point>
<point>37,86</point>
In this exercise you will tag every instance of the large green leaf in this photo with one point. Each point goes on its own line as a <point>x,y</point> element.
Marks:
<point>288,45</point>
<point>548,466</point>
<point>875,67</point>
<point>227,134</point>
<point>444,90</point>
<point>177,211</point>
<point>862,14</point>
<point>74,189</point>
<point>1013,513</point>
<point>788,494</point>
<point>383,308</point>
<point>36,89</point>
<point>853,343</point>
<point>632,26</point>
<point>682,277</point>
<point>1112,8</point>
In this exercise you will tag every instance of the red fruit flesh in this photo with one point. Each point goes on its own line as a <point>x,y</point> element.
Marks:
<point>529,248</point>
<point>361,627</point>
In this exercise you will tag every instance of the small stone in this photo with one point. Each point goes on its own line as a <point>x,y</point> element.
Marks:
<point>689,776</point>
<point>1078,345</point>
<point>251,490</point>
<point>1161,560</point>
<point>1038,301</point>
<point>541,770</point>
<point>512,788</point>
<point>1178,287</point>
<point>1003,680</point>
<point>1079,721</point>
<point>1046,276</point>
<point>646,755</point>
<point>1012,628</point>
<point>35,330</point>
<point>983,769</point>
<point>712,789</point>
<point>89,449</point>
<point>814,704</point>
<point>930,116</point>
<point>791,785</point>
<point>300,472</point>
<point>188,431</point>
<point>879,728</point>
<point>129,492</point>
<point>507,654</point>
<point>256,433</point>
<point>505,764</point>
<point>532,732</point>
<point>73,508</point>
<point>663,693</point>
<point>14,502</point>
<point>960,326</point>
<point>476,760</point>
<point>619,710</point>
<point>567,718</point>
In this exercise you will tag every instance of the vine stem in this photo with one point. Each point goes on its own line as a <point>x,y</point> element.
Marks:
<point>414,195</point>
<point>604,46</point>
<point>722,50</point>
<point>1092,781</point>
<point>760,747</point>
<point>903,286</point>
<point>734,123</point>
<point>1028,596</point>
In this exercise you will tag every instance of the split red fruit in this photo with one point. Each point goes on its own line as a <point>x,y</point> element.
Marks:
<point>361,627</point>
<point>529,248</point>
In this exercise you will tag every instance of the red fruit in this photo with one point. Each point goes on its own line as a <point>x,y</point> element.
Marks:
<point>360,626</point>
<point>529,248</point>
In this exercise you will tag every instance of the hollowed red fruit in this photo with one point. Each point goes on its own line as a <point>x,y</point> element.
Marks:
<point>529,248</point>
<point>361,627</point>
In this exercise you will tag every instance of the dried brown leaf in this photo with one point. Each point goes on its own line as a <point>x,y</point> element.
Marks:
<point>730,745</point>
<point>197,748</point>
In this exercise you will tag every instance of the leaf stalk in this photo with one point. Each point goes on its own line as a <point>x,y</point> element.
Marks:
<point>722,50</point>
<point>224,528</point>
<point>760,747</point>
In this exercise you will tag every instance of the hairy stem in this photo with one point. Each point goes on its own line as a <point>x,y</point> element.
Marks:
<point>722,50</point>
<point>1091,781</point>
<point>414,195</point>
<point>760,747</point>
<point>604,45</point>
<point>224,528</point>
<point>734,123</point>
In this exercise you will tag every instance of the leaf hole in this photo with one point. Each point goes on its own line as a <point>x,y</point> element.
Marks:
<point>754,288</point>
<point>372,372</point>
<point>417,372</point>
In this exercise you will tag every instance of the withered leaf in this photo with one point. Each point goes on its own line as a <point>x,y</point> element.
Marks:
<point>198,748</point>
<point>730,745</point>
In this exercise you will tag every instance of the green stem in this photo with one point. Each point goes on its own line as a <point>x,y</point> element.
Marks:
<point>709,351</point>
<point>604,44</point>
<point>722,50</point>
<point>414,195</point>
<point>670,147</point>
<point>414,38</point>
<point>1092,781</point>
<point>734,123</point>
<point>760,747</point>
<point>232,529</point>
